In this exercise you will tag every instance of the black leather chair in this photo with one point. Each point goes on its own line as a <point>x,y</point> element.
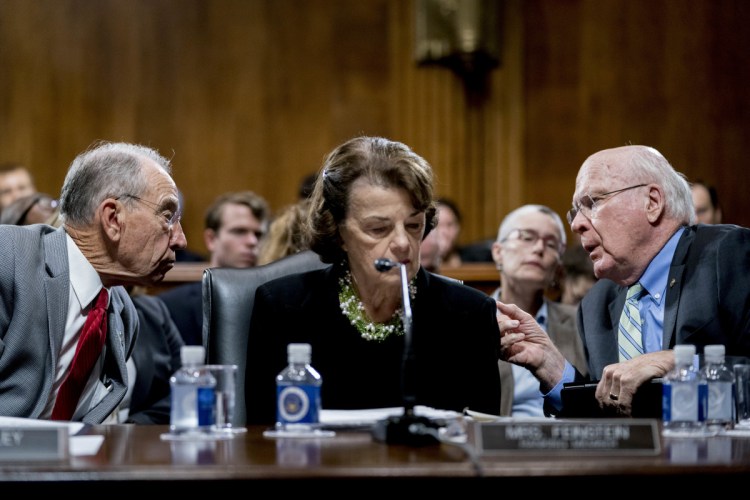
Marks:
<point>228,297</point>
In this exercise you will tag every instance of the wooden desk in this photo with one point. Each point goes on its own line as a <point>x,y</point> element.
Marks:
<point>181,273</point>
<point>483,276</point>
<point>480,275</point>
<point>133,458</point>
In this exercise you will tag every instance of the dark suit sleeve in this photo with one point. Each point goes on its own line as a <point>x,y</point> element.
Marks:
<point>733,262</point>
<point>185,306</point>
<point>264,358</point>
<point>156,356</point>
<point>457,341</point>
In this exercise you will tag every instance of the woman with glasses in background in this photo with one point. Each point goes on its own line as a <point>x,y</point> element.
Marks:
<point>528,254</point>
<point>37,208</point>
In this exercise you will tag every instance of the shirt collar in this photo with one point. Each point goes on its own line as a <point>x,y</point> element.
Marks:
<point>654,279</point>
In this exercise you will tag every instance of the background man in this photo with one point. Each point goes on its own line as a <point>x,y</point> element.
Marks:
<point>15,182</point>
<point>706,202</point>
<point>234,226</point>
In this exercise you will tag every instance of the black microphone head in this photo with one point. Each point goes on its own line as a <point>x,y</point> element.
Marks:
<point>384,265</point>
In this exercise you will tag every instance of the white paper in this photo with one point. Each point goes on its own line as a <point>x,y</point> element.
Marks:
<point>371,415</point>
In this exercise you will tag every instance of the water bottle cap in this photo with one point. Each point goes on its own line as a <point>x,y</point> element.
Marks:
<point>684,353</point>
<point>714,353</point>
<point>192,354</point>
<point>299,353</point>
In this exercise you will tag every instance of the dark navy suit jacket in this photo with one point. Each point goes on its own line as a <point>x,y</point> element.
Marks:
<point>156,356</point>
<point>707,300</point>
<point>185,304</point>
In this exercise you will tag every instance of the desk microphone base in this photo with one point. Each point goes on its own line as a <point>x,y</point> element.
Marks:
<point>407,429</point>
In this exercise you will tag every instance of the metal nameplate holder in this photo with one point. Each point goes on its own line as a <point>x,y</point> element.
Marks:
<point>34,444</point>
<point>567,437</point>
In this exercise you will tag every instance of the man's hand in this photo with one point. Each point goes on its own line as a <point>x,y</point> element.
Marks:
<point>523,342</point>
<point>619,381</point>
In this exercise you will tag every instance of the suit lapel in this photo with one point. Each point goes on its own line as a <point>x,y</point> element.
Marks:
<point>674,287</point>
<point>56,288</point>
<point>615,311</point>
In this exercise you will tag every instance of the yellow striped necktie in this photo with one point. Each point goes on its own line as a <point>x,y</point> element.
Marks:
<point>629,338</point>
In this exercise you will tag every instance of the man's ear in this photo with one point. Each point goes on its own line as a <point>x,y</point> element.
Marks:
<point>209,238</point>
<point>110,214</point>
<point>655,205</point>
<point>497,254</point>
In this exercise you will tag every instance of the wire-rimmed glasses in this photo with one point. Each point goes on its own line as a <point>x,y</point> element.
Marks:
<point>171,217</point>
<point>529,237</point>
<point>588,204</point>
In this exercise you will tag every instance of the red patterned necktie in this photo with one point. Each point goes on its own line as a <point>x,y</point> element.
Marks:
<point>88,350</point>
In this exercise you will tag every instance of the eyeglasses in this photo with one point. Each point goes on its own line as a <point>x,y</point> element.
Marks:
<point>171,217</point>
<point>588,204</point>
<point>529,237</point>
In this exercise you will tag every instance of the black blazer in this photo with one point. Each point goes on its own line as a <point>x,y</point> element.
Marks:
<point>156,356</point>
<point>455,339</point>
<point>185,304</point>
<point>707,301</point>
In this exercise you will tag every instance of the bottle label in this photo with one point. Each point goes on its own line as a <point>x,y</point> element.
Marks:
<point>684,402</point>
<point>206,404</point>
<point>720,401</point>
<point>298,404</point>
<point>680,403</point>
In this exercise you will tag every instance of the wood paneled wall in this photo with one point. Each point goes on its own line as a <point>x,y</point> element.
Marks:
<point>251,94</point>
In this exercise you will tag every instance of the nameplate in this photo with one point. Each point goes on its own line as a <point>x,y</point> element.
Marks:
<point>600,436</point>
<point>33,444</point>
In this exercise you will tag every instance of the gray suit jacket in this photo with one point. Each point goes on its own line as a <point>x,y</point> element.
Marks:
<point>707,300</point>
<point>34,290</point>
<point>561,328</point>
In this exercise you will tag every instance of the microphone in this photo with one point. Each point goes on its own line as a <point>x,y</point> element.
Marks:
<point>408,428</point>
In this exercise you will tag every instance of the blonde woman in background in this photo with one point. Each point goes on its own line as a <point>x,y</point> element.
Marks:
<point>284,236</point>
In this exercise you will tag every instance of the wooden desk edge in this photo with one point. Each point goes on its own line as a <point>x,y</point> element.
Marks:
<point>480,275</point>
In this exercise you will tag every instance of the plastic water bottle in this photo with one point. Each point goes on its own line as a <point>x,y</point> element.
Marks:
<point>720,380</point>
<point>298,392</point>
<point>193,394</point>
<point>684,396</point>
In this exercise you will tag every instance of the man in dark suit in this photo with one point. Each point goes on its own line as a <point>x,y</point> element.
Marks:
<point>634,214</point>
<point>156,356</point>
<point>121,225</point>
<point>234,226</point>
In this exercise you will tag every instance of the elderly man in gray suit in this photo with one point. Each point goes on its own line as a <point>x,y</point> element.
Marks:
<point>635,216</point>
<point>121,225</point>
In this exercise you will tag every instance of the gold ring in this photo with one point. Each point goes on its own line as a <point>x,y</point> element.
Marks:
<point>613,397</point>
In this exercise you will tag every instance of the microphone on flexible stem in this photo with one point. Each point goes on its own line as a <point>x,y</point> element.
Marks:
<point>408,428</point>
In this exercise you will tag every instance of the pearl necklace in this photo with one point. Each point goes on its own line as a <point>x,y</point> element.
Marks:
<point>352,308</point>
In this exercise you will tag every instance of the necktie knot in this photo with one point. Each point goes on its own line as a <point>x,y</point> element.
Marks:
<point>635,291</point>
<point>102,299</point>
